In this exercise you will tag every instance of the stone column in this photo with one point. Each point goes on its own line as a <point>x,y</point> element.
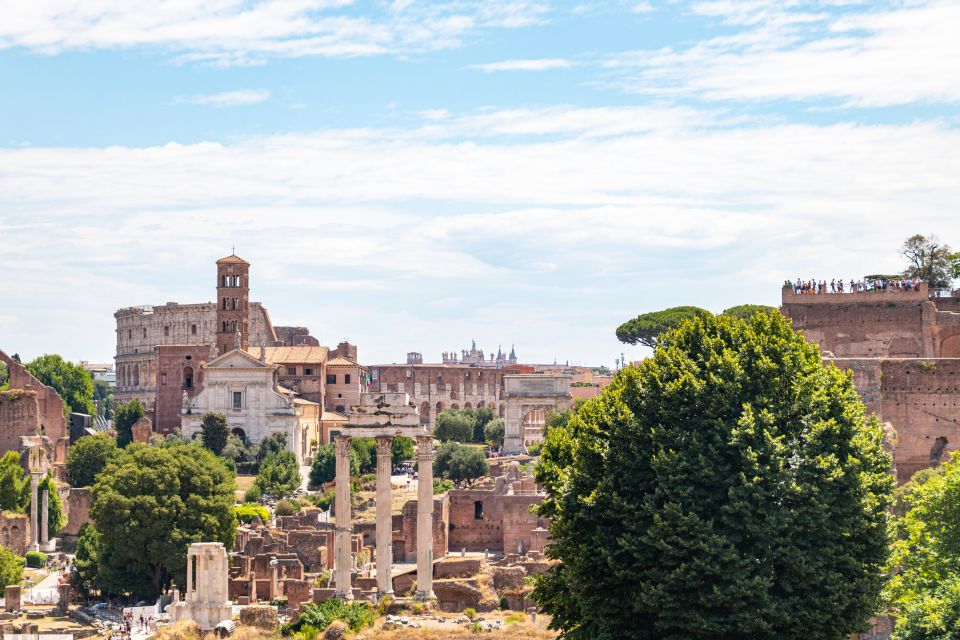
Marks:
<point>34,508</point>
<point>424,517</point>
<point>384,516</point>
<point>253,588</point>
<point>44,518</point>
<point>186,595</point>
<point>342,523</point>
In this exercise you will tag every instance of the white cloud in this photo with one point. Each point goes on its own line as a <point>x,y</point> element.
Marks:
<point>890,53</point>
<point>229,98</point>
<point>239,32</point>
<point>539,64</point>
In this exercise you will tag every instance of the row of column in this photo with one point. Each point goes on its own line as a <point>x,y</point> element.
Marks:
<point>343,525</point>
<point>38,536</point>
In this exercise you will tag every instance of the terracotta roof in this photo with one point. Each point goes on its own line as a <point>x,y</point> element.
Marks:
<point>232,259</point>
<point>333,416</point>
<point>340,361</point>
<point>292,355</point>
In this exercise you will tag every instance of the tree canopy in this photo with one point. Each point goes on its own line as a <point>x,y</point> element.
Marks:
<point>931,261</point>
<point>728,487</point>
<point>125,417</point>
<point>925,585</point>
<point>746,311</point>
<point>11,568</point>
<point>87,457</point>
<point>71,381</point>
<point>279,474</point>
<point>459,463</point>
<point>214,432</point>
<point>493,432</point>
<point>646,328</point>
<point>11,482</point>
<point>324,468</point>
<point>149,505</point>
<point>454,424</point>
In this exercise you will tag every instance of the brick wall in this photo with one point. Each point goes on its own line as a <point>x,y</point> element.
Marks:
<point>19,416</point>
<point>174,364</point>
<point>49,404</point>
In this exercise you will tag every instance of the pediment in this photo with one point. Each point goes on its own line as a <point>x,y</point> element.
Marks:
<point>237,359</point>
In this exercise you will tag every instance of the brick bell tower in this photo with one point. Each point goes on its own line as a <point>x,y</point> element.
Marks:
<point>233,304</point>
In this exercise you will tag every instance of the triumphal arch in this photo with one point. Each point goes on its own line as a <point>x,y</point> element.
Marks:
<point>530,398</point>
<point>384,416</point>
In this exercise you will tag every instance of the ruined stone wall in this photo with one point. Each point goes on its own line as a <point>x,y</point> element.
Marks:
<point>408,530</point>
<point>519,524</point>
<point>472,533</point>
<point>919,398</point>
<point>77,502</point>
<point>50,406</point>
<point>434,388</point>
<point>15,532</point>
<point>869,329</point>
<point>19,416</point>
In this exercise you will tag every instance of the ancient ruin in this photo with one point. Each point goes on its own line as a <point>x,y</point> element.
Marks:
<point>206,598</point>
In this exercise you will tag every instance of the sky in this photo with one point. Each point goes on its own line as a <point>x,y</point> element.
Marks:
<point>412,175</point>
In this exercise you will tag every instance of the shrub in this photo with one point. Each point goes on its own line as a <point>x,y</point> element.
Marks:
<point>323,500</point>
<point>356,615</point>
<point>514,618</point>
<point>417,609</point>
<point>475,627</point>
<point>253,494</point>
<point>36,559</point>
<point>246,512</point>
<point>470,612</point>
<point>504,603</point>
<point>11,568</point>
<point>441,486</point>
<point>285,508</point>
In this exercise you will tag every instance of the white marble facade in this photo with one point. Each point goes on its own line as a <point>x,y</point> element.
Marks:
<point>244,388</point>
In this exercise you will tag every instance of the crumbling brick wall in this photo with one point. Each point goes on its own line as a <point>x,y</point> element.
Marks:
<point>49,405</point>
<point>19,416</point>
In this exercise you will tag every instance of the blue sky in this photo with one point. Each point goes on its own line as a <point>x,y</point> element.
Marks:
<point>410,175</point>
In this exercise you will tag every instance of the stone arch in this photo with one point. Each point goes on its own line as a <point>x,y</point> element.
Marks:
<point>936,452</point>
<point>136,375</point>
<point>440,407</point>
<point>481,404</point>
<point>950,347</point>
<point>188,377</point>
<point>467,405</point>
<point>237,431</point>
<point>454,406</point>
<point>424,412</point>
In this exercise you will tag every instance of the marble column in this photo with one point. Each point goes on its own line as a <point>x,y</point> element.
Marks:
<point>45,519</point>
<point>253,588</point>
<point>342,523</point>
<point>384,516</point>
<point>34,512</point>
<point>424,517</point>
<point>186,595</point>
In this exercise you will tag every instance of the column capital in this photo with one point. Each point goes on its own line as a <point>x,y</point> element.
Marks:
<point>342,445</point>
<point>424,447</point>
<point>384,445</point>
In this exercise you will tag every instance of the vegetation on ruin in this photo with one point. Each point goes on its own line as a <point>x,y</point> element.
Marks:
<point>12,481</point>
<point>11,568</point>
<point>924,590</point>
<point>931,261</point>
<point>248,511</point>
<point>4,376</point>
<point>279,474</point>
<point>149,505</point>
<point>56,516</point>
<point>87,457</point>
<point>126,416</point>
<point>730,486</point>
<point>459,463</point>
<point>285,508</point>
<point>70,380</point>
<point>356,615</point>
<point>214,432</point>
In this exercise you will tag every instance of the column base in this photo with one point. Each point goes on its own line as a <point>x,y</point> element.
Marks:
<point>425,596</point>
<point>346,597</point>
<point>388,592</point>
<point>34,547</point>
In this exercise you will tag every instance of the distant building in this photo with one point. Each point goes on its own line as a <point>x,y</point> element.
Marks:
<point>476,357</point>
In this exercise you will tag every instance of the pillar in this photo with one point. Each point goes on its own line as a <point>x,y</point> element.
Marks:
<point>44,519</point>
<point>425,517</point>
<point>253,588</point>
<point>384,516</point>
<point>187,596</point>
<point>342,524</point>
<point>34,508</point>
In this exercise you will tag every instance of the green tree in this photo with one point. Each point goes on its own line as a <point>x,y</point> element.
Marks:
<point>366,450</point>
<point>12,482</point>
<point>646,328</point>
<point>214,432</point>
<point>103,399</point>
<point>493,432</point>
<point>453,424</point>
<point>56,517</point>
<point>4,376</point>
<point>324,468</point>
<point>87,457</point>
<point>247,512</point>
<point>930,260</point>
<point>925,585</point>
<point>728,487</point>
<point>746,311</point>
<point>273,443</point>
<point>71,381</point>
<point>401,449</point>
<point>149,505</point>
<point>466,465</point>
<point>126,416</point>
<point>86,562</point>
<point>481,417</point>
<point>11,568</point>
<point>441,461</point>
<point>279,474</point>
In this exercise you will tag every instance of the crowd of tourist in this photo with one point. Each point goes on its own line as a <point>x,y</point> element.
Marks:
<point>814,286</point>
